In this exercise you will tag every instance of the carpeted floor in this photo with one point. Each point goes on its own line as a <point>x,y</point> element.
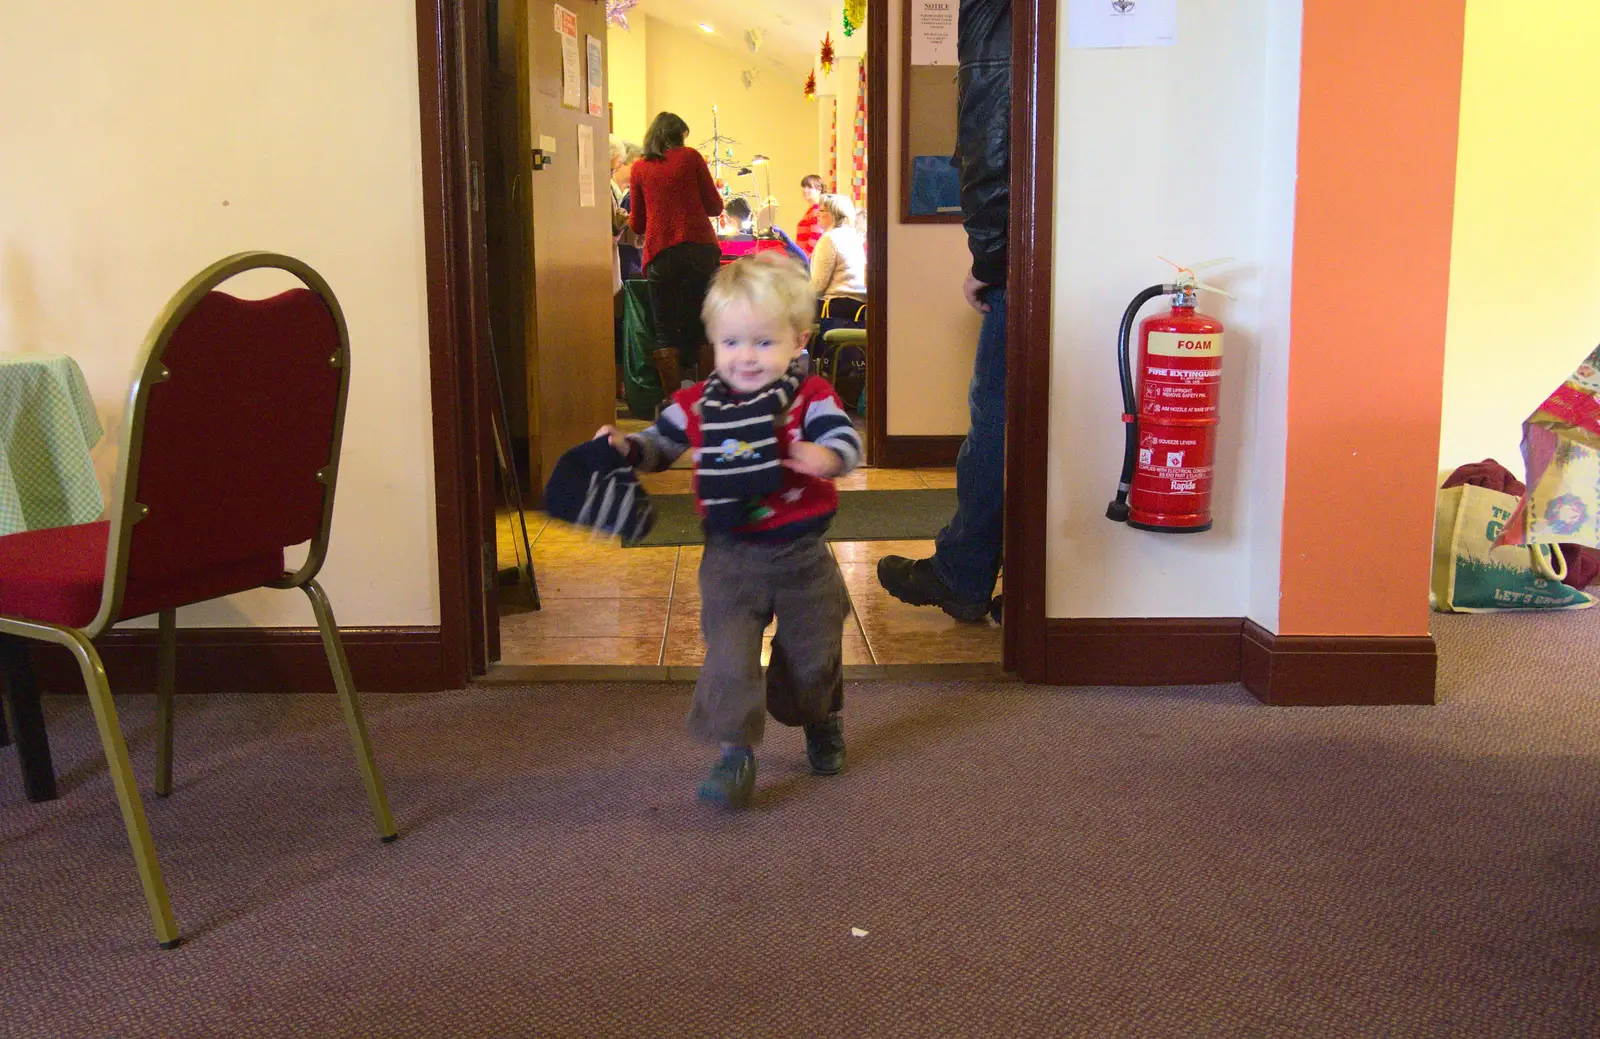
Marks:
<point>1025,862</point>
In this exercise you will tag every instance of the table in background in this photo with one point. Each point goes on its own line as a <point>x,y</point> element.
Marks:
<point>48,425</point>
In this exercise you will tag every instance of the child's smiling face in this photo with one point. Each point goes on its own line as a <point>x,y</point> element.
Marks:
<point>752,346</point>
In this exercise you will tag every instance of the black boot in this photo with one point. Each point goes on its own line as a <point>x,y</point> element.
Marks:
<point>913,581</point>
<point>825,745</point>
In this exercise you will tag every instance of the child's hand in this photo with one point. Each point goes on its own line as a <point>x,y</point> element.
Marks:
<point>618,440</point>
<point>806,457</point>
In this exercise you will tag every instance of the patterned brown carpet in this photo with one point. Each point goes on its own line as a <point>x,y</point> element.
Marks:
<point>1026,862</point>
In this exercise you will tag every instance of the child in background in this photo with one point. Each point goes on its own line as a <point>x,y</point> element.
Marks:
<point>767,442</point>
<point>809,229</point>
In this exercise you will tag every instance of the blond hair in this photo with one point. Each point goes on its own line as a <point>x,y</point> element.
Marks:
<point>840,208</point>
<point>769,282</point>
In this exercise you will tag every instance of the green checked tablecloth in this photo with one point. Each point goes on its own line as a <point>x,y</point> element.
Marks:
<point>47,426</point>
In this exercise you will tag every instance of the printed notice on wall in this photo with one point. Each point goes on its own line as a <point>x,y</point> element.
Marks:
<point>1122,23</point>
<point>933,32</point>
<point>585,164</point>
<point>597,78</point>
<point>571,59</point>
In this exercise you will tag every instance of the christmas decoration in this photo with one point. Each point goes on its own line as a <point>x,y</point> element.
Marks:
<point>811,85</point>
<point>827,54</point>
<point>617,12</point>
<point>855,16</point>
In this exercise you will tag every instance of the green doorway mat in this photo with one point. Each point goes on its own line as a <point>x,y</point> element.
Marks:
<point>863,516</point>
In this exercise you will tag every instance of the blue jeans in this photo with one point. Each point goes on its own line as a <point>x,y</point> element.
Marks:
<point>967,553</point>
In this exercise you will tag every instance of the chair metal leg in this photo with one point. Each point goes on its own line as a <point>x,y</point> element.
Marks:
<point>353,719</point>
<point>166,666</point>
<point>26,719</point>
<point>133,817</point>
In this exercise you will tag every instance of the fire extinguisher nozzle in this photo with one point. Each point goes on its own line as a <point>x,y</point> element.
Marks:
<point>1117,512</point>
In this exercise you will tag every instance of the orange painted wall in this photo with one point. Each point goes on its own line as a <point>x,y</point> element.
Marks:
<point>1380,97</point>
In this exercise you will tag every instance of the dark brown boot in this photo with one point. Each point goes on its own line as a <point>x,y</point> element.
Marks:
<point>666,360</point>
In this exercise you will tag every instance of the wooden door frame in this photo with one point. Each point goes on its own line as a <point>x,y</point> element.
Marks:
<point>449,40</point>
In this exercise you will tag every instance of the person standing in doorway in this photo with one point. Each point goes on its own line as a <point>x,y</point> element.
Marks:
<point>809,229</point>
<point>960,576</point>
<point>626,261</point>
<point>672,199</point>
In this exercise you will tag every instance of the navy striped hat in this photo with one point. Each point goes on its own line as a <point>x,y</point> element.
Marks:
<point>593,486</point>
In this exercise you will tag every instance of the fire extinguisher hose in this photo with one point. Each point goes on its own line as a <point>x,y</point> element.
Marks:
<point>1117,511</point>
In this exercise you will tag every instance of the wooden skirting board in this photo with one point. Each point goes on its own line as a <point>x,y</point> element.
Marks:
<point>1294,670</point>
<point>259,660</point>
<point>1280,670</point>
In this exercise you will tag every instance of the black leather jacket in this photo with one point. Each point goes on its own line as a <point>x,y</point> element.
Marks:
<point>983,148</point>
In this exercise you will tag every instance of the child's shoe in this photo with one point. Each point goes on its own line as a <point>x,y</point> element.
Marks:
<point>825,745</point>
<point>732,779</point>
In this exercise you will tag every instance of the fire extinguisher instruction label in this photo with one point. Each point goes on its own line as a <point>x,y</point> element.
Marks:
<point>1185,344</point>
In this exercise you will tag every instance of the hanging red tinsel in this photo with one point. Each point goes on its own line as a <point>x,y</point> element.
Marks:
<point>827,54</point>
<point>811,85</point>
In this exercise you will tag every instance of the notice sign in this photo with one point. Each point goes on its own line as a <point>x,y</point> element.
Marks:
<point>571,60</point>
<point>597,78</point>
<point>1122,23</point>
<point>585,165</point>
<point>933,32</point>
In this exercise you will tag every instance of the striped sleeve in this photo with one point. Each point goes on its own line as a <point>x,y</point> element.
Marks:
<point>660,445</point>
<point>826,425</point>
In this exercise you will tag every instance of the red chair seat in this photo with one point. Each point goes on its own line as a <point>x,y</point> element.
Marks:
<point>55,576</point>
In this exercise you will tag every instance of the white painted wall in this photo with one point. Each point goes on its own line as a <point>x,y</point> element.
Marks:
<point>1267,434</point>
<point>1184,152</point>
<point>144,141</point>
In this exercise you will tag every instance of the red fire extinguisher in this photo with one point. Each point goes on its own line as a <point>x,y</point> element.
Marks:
<point>1172,422</point>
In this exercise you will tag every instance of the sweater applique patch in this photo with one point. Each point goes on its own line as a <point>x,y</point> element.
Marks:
<point>736,449</point>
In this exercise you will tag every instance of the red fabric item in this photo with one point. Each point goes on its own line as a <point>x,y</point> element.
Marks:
<point>1487,473</point>
<point>1583,563</point>
<point>235,438</point>
<point>673,201</point>
<point>56,576</point>
<point>817,497</point>
<point>808,232</point>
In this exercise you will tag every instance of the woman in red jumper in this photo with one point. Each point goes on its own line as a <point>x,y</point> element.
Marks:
<point>673,200</point>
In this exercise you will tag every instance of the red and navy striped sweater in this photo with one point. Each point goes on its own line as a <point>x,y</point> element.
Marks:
<point>806,503</point>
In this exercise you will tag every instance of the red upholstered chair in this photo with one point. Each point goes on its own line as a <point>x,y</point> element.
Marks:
<point>229,455</point>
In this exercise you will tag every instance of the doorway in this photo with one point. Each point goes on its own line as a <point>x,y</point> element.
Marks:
<point>462,36</point>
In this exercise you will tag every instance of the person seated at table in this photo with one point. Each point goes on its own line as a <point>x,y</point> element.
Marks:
<point>839,266</point>
<point>627,261</point>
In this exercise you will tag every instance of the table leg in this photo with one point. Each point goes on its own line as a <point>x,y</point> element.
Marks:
<point>26,720</point>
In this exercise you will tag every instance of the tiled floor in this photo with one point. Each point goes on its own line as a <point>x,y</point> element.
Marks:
<point>606,605</point>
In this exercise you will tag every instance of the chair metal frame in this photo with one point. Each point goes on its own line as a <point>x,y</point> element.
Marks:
<point>126,513</point>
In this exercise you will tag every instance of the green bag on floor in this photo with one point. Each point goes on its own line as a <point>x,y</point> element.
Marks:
<point>640,383</point>
<point>1470,575</point>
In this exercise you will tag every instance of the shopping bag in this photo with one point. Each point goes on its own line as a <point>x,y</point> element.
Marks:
<point>1471,575</point>
<point>1561,449</point>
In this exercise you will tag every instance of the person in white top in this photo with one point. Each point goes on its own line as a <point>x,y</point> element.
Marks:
<point>839,263</point>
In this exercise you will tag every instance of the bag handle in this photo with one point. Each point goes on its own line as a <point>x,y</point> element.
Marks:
<point>1548,562</point>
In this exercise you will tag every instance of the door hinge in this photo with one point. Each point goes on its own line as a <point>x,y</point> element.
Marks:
<point>475,185</point>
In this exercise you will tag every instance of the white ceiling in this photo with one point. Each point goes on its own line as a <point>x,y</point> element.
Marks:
<point>792,30</point>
